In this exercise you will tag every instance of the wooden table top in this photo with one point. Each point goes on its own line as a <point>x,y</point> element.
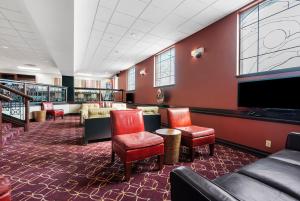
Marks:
<point>168,131</point>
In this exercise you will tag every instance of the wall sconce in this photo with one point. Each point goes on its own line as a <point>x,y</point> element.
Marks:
<point>197,53</point>
<point>143,72</point>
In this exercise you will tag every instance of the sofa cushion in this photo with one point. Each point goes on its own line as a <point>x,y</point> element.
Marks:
<point>288,156</point>
<point>247,188</point>
<point>86,106</point>
<point>137,140</point>
<point>276,173</point>
<point>195,131</point>
<point>99,112</point>
<point>149,110</point>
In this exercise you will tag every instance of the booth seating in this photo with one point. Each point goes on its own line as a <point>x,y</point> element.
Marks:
<point>50,111</point>
<point>149,110</point>
<point>5,189</point>
<point>98,110</point>
<point>97,124</point>
<point>191,135</point>
<point>131,142</point>
<point>276,177</point>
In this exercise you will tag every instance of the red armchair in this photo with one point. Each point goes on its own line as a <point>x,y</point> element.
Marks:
<point>4,189</point>
<point>192,136</point>
<point>48,106</point>
<point>131,142</point>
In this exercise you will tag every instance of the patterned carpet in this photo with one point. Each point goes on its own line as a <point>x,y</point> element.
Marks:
<point>48,163</point>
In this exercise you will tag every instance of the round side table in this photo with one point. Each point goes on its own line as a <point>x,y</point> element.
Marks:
<point>40,116</point>
<point>172,138</point>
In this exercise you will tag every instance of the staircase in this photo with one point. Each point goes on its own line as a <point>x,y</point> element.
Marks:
<point>8,133</point>
<point>14,111</point>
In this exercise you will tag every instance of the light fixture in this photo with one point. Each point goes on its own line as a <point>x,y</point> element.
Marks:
<point>4,47</point>
<point>84,74</point>
<point>143,72</point>
<point>197,53</point>
<point>28,68</point>
<point>133,35</point>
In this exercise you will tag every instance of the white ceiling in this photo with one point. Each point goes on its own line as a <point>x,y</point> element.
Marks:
<point>20,42</point>
<point>125,32</point>
<point>99,37</point>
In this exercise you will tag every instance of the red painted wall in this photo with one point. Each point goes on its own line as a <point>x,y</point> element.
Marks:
<point>211,82</point>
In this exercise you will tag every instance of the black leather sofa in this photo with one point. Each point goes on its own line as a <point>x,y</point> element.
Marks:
<point>275,178</point>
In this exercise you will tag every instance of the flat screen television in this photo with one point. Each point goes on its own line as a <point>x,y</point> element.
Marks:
<point>129,97</point>
<point>283,93</point>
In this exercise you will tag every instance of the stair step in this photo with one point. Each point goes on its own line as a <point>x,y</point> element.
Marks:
<point>9,135</point>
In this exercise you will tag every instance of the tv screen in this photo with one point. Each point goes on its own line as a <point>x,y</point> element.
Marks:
<point>281,93</point>
<point>129,97</point>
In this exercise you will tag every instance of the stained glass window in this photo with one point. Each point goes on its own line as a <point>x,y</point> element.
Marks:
<point>165,68</point>
<point>131,79</point>
<point>270,36</point>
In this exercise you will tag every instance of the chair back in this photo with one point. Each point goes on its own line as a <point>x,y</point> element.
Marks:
<point>126,121</point>
<point>5,189</point>
<point>47,106</point>
<point>179,117</point>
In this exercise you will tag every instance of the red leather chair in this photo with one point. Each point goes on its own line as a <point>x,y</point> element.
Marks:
<point>131,142</point>
<point>4,189</point>
<point>191,136</point>
<point>48,106</point>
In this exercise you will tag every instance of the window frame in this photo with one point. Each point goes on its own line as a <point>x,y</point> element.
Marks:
<point>238,58</point>
<point>128,78</point>
<point>154,75</point>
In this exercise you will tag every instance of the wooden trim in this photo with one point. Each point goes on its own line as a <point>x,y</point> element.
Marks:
<point>5,98</point>
<point>16,92</point>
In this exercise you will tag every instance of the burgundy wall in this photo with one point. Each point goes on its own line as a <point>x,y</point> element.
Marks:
<point>211,82</point>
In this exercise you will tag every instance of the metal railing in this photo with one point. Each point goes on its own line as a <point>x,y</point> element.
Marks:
<point>86,95</point>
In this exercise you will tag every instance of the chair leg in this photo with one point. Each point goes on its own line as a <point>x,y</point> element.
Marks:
<point>127,170</point>
<point>192,153</point>
<point>160,161</point>
<point>211,149</point>
<point>113,156</point>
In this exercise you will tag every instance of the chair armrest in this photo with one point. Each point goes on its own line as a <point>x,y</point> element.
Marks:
<point>293,141</point>
<point>188,185</point>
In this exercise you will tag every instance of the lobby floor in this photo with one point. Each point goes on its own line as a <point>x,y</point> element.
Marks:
<point>49,163</point>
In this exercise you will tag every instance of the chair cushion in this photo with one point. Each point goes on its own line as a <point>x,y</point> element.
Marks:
<point>195,131</point>
<point>288,156</point>
<point>137,140</point>
<point>86,106</point>
<point>56,112</point>
<point>4,185</point>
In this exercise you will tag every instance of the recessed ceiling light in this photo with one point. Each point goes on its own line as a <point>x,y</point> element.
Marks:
<point>4,47</point>
<point>28,68</point>
<point>133,34</point>
<point>116,51</point>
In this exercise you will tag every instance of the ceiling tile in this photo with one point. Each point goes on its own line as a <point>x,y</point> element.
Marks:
<point>143,25</point>
<point>122,19</point>
<point>153,14</point>
<point>108,3</point>
<point>132,7</point>
<point>104,14</point>
<point>115,29</point>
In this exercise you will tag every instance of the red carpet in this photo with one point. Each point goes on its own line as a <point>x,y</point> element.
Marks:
<point>48,163</point>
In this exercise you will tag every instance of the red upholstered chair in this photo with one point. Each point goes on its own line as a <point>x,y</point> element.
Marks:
<point>48,106</point>
<point>4,189</point>
<point>191,136</point>
<point>131,142</point>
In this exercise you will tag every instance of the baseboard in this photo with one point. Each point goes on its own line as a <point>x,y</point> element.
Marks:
<point>250,150</point>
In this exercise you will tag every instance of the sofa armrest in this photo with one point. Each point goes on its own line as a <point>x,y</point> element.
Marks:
<point>188,185</point>
<point>293,141</point>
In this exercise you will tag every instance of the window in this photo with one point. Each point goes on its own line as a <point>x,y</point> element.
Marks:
<point>270,37</point>
<point>165,68</point>
<point>131,79</point>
